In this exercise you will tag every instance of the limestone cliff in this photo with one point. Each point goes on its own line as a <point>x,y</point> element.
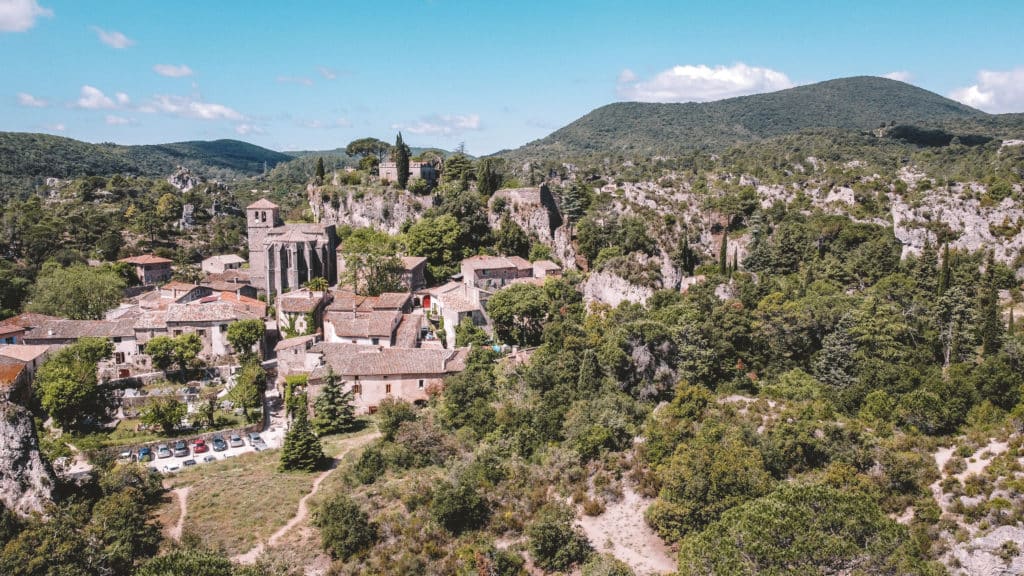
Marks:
<point>26,480</point>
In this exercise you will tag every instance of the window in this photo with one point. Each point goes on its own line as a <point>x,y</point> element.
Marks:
<point>421,384</point>
<point>375,341</point>
<point>142,348</point>
<point>387,388</point>
<point>117,339</point>
<point>223,328</point>
<point>357,389</point>
<point>119,357</point>
<point>177,332</point>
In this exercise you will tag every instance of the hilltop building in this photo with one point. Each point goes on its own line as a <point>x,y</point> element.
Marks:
<point>283,257</point>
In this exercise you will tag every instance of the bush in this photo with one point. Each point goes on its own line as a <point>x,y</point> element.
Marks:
<point>606,565</point>
<point>554,543</point>
<point>370,466</point>
<point>391,414</point>
<point>458,507</point>
<point>345,530</point>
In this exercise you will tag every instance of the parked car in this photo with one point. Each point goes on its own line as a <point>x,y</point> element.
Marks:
<point>126,456</point>
<point>219,445</point>
<point>181,448</point>
<point>162,451</point>
<point>235,441</point>
<point>257,441</point>
<point>199,446</point>
<point>189,462</point>
<point>209,458</point>
<point>145,454</point>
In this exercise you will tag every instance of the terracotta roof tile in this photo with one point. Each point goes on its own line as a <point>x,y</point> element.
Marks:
<point>262,204</point>
<point>293,342</point>
<point>24,352</point>
<point>206,312</point>
<point>347,360</point>
<point>9,373</point>
<point>377,324</point>
<point>146,259</point>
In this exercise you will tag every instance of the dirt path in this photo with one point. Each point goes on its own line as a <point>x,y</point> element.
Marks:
<point>182,495</point>
<point>622,531</point>
<point>303,510</point>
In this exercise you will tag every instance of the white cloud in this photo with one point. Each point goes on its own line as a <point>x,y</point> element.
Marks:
<point>118,120</point>
<point>295,80</point>
<point>444,124</point>
<point>627,75</point>
<point>995,91</point>
<point>702,83</point>
<point>901,75</point>
<point>328,73</point>
<point>56,127</point>
<point>113,38</point>
<point>93,98</point>
<point>190,108</point>
<point>30,101</point>
<point>122,99</point>
<point>246,129</point>
<point>172,71</point>
<point>20,15</point>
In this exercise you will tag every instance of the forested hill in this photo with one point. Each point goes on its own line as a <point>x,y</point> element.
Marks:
<point>25,156</point>
<point>858,103</point>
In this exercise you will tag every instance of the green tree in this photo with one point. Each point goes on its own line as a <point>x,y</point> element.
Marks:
<point>488,175</point>
<point>990,324</point>
<point>518,313</point>
<point>469,334</point>
<point>458,507</point>
<point>121,530</point>
<point>510,239</point>
<point>576,199</point>
<point>79,292</point>
<point>320,173</point>
<point>333,412</point>
<point>302,449</point>
<point>318,284</point>
<point>367,147</point>
<point>723,254</point>
<point>705,477</point>
<point>180,351</point>
<point>66,383</point>
<point>801,529</point>
<point>390,415</point>
<point>244,334</point>
<point>400,155</point>
<point>345,530</point>
<point>249,385</point>
<point>192,561</point>
<point>371,262</point>
<point>553,541</point>
<point>606,565</point>
<point>165,412</point>
<point>438,240</point>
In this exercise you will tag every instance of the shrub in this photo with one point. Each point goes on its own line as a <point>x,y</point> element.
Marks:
<point>391,414</point>
<point>345,530</point>
<point>554,543</point>
<point>458,507</point>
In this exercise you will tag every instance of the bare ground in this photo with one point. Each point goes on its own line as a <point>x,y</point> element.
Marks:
<point>622,531</point>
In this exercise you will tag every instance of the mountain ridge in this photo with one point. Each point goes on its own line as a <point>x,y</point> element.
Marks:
<point>855,103</point>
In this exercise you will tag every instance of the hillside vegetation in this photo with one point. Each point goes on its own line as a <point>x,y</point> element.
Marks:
<point>859,103</point>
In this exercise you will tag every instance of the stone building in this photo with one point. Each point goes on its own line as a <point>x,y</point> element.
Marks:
<point>425,170</point>
<point>150,269</point>
<point>283,257</point>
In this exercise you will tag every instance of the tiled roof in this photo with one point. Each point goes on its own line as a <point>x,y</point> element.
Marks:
<point>487,262</point>
<point>152,320</point>
<point>9,373</point>
<point>206,312</point>
<point>546,265</point>
<point>237,276</point>
<point>146,259</point>
<point>24,352</point>
<point>6,329</point>
<point>408,333</point>
<point>74,329</point>
<point>392,300</point>
<point>362,324</point>
<point>225,259</point>
<point>410,262</point>
<point>221,286</point>
<point>345,300</point>
<point>262,204</point>
<point>347,361</point>
<point>520,263</point>
<point>178,286</point>
<point>28,320</point>
<point>293,342</point>
<point>300,301</point>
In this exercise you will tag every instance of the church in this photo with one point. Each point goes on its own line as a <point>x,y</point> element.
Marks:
<point>283,257</point>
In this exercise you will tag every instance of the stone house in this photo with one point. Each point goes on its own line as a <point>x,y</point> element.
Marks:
<point>127,357</point>
<point>302,311</point>
<point>15,382</point>
<point>293,356</point>
<point>370,320</point>
<point>210,321</point>
<point>375,373</point>
<point>237,288</point>
<point>388,171</point>
<point>453,302</point>
<point>414,272</point>
<point>11,333</point>
<point>494,272</point>
<point>150,269</point>
<point>221,263</point>
<point>32,356</point>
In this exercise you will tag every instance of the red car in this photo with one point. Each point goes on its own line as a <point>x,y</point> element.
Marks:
<point>200,446</point>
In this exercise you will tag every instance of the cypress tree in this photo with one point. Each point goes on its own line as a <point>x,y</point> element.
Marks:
<point>991,325</point>
<point>302,449</point>
<point>735,259</point>
<point>320,170</point>
<point>333,408</point>
<point>400,154</point>
<point>944,275</point>
<point>723,254</point>
<point>927,266</point>
<point>1009,326</point>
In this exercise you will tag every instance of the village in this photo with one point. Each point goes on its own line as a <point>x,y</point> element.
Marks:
<point>399,344</point>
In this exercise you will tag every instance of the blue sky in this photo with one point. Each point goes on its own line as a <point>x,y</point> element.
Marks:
<point>316,75</point>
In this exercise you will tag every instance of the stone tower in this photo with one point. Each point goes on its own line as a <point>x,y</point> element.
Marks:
<point>261,217</point>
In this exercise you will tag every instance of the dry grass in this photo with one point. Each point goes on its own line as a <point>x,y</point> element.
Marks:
<point>238,502</point>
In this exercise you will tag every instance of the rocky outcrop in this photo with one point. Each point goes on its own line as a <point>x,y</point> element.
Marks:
<point>999,227</point>
<point>607,288</point>
<point>385,211</point>
<point>183,179</point>
<point>537,213</point>
<point>26,479</point>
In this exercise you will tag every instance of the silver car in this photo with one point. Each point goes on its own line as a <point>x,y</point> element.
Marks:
<point>235,441</point>
<point>162,451</point>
